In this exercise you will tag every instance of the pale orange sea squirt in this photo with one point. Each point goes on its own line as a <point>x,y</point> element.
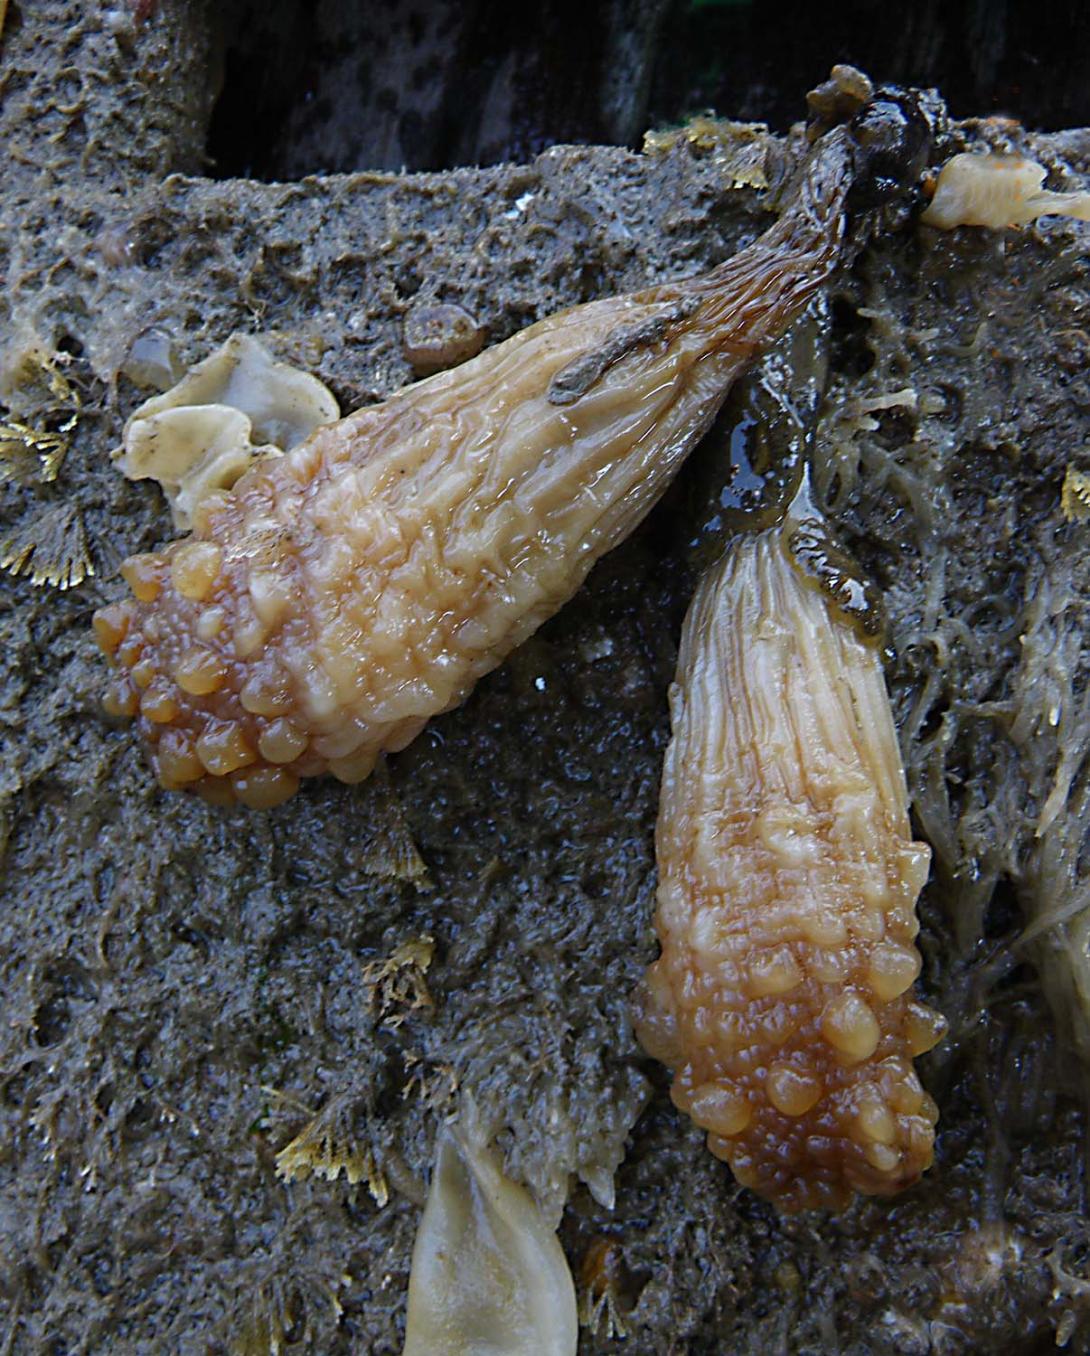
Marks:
<point>788,877</point>
<point>339,596</point>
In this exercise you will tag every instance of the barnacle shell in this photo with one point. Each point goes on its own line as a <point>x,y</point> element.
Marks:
<point>236,406</point>
<point>997,191</point>
<point>440,335</point>
<point>488,1274</point>
<point>346,592</point>
<point>787,887</point>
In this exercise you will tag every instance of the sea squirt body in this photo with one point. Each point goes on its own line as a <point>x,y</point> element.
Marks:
<point>787,888</point>
<point>339,596</point>
<point>997,191</point>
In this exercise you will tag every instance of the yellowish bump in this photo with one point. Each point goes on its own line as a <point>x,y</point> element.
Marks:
<point>130,650</point>
<point>784,830</point>
<point>875,1122</point>
<point>271,594</point>
<point>872,891</point>
<point>281,742</point>
<point>111,625</point>
<point>892,970</point>
<point>929,1111</point>
<point>264,787</point>
<point>745,1168</point>
<point>264,693</point>
<point>193,568</point>
<point>176,761</point>
<point>319,696</point>
<point>778,1024</point>
<point>157,704</point>
<point>200,672</point>
<point>905,1093</point>
<point>340,744</point>
<point>120,699</point>
<point>850,1027</point>
<point>205,512</point>
<point>913,866</point>
<point>902,924</point>
<point>356,767</point>
<point>868,925</point>
<point>144,673</point>
<point>222,748</point>
<point>210,623</point>
<point>924,1028</point>
<point>830,966</point>
<point>824,927</point>
<point>883,1157</point>
<point>143,574</point>
<point>792,1091</point>
<point>249,636</point>
<point>773,972</point>
<point>718,1108</point>
<point>731,1030</point>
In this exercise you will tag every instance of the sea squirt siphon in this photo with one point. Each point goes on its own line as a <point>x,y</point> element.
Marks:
<point>788,879</point>
<point>337,597</point>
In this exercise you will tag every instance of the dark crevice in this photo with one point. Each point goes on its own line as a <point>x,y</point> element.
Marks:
<point>425,84</point>
<point>754,58</point>
<point>431,84</point>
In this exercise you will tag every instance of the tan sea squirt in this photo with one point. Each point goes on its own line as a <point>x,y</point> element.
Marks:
<point>997,191</point>
<point>788,881</point>
<point>339,596</point>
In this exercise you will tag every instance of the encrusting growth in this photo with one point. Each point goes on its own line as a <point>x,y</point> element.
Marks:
<point>339,596</point>
<point>788,881</point>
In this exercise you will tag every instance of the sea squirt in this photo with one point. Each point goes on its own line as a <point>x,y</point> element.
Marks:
<point>339,596</point>
<point>488,1272</point>
<point>997,191</point>
<point>788,881</point>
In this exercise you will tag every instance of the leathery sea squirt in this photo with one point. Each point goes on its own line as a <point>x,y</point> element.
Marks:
<point>331,602</point>
<point>788,878</point>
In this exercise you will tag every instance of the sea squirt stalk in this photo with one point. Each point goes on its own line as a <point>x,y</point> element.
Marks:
<point>339,596</point>
<point>787,888</point>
